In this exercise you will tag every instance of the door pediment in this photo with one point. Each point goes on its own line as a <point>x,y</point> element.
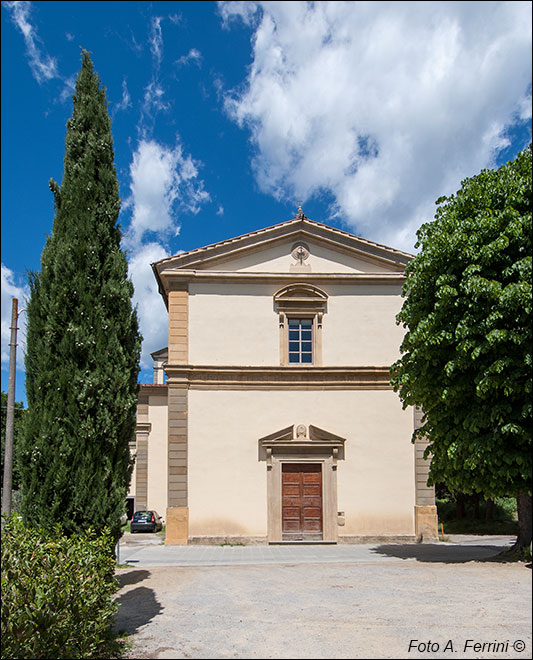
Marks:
<point>299,439</point>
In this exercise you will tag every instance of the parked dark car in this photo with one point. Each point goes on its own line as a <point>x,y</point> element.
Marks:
<point>146,521</point>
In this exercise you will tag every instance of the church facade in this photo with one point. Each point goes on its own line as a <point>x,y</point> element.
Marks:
<point>271,418</point>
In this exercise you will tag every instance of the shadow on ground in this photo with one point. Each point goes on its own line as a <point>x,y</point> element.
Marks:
<point>136,607</point>
<point>447,554</point>
<point>132,577</point>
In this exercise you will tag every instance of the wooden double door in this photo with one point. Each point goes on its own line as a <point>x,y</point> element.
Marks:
<point>301,502</point>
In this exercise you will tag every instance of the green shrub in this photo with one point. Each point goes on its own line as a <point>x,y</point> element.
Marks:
<point>504,509</point>
<point>503,521</point>
<point>57,593</point>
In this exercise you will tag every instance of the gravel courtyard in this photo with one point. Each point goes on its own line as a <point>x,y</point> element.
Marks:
<point>396,602</point>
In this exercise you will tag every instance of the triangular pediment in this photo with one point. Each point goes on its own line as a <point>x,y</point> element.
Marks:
<point>299,438</point>
<point>161,354</point>
<point>282,257</point>
<point>301,433</point>
<point>299,244</point>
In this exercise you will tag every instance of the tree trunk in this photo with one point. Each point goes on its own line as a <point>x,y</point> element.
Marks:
<point>489,511</point>
<point>523,502</point>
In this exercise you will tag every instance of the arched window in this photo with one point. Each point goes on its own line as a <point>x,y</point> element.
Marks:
<point>300,308</point>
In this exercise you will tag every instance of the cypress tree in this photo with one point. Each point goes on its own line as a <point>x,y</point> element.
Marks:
<point>83,342</point>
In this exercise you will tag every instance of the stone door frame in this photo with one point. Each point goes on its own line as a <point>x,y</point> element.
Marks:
<point>292,445</point>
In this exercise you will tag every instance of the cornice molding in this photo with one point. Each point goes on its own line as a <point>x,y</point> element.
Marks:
<point>143,427</point>
<point>180,277</point>
<point>279,378</point>
<point>183,275</point>
<point>152,388</point>
<point>213,256</point>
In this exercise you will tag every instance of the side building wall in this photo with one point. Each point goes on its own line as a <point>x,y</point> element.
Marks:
<point>150,471</point>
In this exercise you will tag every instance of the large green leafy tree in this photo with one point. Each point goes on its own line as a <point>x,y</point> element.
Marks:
<point>83,342</point>
<point>467,350</point>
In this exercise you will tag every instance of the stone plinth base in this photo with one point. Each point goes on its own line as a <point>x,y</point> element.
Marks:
<point>426,525</point>
<point>177,526</point>
<point>377,539</point>
<point>227,540</point>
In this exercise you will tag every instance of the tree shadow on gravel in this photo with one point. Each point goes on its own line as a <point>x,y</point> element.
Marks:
<point>444,554</point>
<point>132,577</point>
<point>136,608</point>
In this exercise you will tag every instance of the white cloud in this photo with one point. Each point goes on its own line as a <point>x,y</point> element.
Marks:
<point>164,185</point>
<point>150,306</point>
<point>524,111</point>
<point>133,44</point>
<point>193,55</point>
<point>154,92</point>
<point>154,98</point>
<point>11,290</point>
<point>164,182</point>
<point>386,106</point>
<point>69,88</point>
<point>156,41</point>
<point>237,9</point>
<point>125,102</point>
<point>42,65</point>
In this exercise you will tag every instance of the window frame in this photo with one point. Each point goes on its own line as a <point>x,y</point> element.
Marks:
<point>300,329</point>
<point>300,301</point>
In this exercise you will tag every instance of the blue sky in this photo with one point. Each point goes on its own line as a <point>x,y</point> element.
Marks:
<point>225,114</point>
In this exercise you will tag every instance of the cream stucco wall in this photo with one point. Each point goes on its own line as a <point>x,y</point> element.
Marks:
<point>157,454</point>
<point>360,325</point>
<point>278,259</point>
<point>237,325</point>
<point>228,483</point>
<point>233,324</point>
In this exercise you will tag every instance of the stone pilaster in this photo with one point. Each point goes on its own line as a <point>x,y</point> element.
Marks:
<point>141,454</point>
<point>178,326</point>
<point>426,523</point>
<point>177,515</point>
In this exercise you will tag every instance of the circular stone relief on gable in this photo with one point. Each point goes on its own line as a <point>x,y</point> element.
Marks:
<point>301,431</point>
<point>300,252</point>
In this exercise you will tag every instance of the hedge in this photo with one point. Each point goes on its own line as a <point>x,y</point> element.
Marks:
<point>57,593</point>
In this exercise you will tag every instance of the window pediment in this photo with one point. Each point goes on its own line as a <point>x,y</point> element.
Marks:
<point>298,296</point>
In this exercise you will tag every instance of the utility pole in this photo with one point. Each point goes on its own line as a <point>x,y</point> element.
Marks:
<point>10,414</point>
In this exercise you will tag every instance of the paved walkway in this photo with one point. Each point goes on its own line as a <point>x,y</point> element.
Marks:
<point>148,550</point>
